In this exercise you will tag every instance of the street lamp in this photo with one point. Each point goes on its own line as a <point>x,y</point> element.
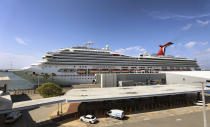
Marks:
<point>204,105</point>
<point>204,102</point>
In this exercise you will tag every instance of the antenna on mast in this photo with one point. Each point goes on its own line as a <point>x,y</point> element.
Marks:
<point>89,43</point>
<point>11,65</point>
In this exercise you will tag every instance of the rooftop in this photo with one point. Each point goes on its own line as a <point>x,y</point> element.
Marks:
<point>198,74</point>
<point>101,94</point>
<point>114,93</point>
<point>4,78</point>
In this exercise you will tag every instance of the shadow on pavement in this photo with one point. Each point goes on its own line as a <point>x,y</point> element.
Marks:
<point>125,118</point>
<point>25,120</point>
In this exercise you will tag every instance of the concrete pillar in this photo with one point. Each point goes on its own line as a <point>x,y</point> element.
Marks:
<point>102,81</point>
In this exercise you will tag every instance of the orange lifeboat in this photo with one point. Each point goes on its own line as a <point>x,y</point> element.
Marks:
<point>81,70</point>
<point>104,70</point>
<point>94,70</point>
<point>124,70</point>
<point>116,54</point>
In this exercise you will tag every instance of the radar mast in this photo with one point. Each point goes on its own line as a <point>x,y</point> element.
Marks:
<point>89,43</point>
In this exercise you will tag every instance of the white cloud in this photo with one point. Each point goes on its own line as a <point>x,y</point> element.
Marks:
<point>179,17</point>
<point>17,61</point>
<point>20,41</point>
<point>204,63</point>
<point>120,50</point>
<point>193,43</point>
<point>203,52</point>
<point>204,43</point>
<point>136,49</point>
<point>187,27</point>
<point>190,44</point>
<point>202,22</point>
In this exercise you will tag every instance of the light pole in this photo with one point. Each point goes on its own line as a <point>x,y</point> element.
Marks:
<point>204,105</point>
<point>38,80</point>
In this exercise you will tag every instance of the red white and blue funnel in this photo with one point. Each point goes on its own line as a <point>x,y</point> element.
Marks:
<point>162,50</point>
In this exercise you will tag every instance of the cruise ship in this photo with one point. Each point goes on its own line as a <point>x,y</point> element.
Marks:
<point>78,65</point>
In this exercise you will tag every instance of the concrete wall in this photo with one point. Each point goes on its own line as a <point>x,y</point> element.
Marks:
<point>108,80</point>
<point>181,79</point>
<point>140,77</point>
<point>111,80</point>
<point>126,83</point>
<point>3,82</point>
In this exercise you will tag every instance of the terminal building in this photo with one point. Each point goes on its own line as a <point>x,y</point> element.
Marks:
<point>124,91</point>
<point>141,79</point>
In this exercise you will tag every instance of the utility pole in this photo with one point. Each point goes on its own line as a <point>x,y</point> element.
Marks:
<point>204,103</point>
<point>204,106</point>
<point>38,80</point>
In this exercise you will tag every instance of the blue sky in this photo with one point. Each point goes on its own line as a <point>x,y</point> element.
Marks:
<point>30,28</point>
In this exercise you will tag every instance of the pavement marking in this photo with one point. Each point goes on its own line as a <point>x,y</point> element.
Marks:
<point>178,120</point>
<point>146,119</point>
<point>171,114</point>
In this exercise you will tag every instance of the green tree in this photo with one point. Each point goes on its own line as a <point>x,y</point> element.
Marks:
<point>49,90</point>
<point>46,76</point>
<point>52,75</point>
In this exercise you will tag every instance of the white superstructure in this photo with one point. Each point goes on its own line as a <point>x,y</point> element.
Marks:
<point>78,65</point>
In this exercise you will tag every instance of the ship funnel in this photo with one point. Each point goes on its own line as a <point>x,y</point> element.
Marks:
<point>162,50</point>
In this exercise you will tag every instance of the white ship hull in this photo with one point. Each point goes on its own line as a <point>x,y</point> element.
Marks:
<point>63,80</point>
<point>78,65</point>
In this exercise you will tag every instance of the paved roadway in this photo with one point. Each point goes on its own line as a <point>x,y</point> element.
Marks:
<point>187,120</point>
<point>30,118</point>
<point>181,117</point>
<point>178,117</point>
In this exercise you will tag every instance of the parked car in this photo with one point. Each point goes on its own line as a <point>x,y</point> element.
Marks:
<point>116,113</point>
<point>199,103</point>
<point>13,116</point>
<point>88,118</point>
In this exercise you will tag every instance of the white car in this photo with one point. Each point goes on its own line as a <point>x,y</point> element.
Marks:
<point>88,118</point>
<point>13,116</point>
<point>199,103</point>
<point>116,113</point>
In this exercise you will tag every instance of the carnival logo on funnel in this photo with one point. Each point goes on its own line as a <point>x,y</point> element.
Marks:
<point>162,50</point>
